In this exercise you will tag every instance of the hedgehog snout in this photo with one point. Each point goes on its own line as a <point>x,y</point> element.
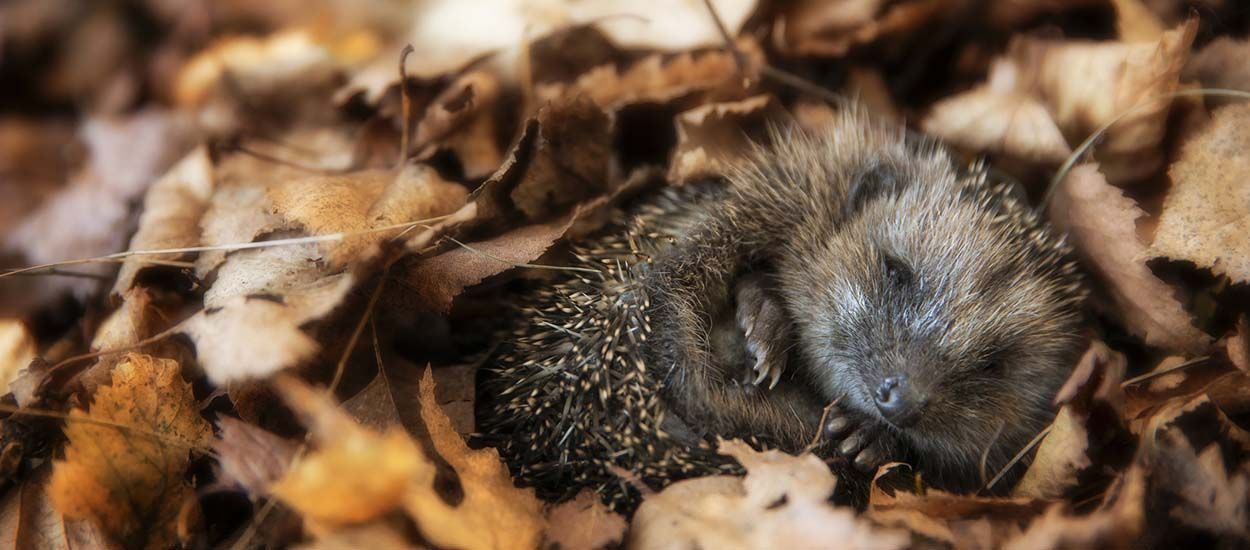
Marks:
<point>898,400</point>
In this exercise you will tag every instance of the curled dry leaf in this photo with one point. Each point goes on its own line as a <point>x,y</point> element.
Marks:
<point>999,117</point>
<point>1067,450</point>
<point>17,348</point>
<point>1099,220</point>
<point>461,119</point>
<point>248,337</point>
<point>1206,216</point>
<point>833,29</point>
<point>124,464</point>
<point>782,502</point>
<point>1220,64</point>
<point>1116,524</point>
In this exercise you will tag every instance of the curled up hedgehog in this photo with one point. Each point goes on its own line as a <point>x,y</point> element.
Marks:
<point>853,265</point>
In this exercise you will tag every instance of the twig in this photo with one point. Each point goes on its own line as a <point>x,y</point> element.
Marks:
<point>820,427</point>
<point>360,328</point>
<point>1155,374</point>
<point>405,102</point>
<point>1010,463</point>
<point>44,413</point>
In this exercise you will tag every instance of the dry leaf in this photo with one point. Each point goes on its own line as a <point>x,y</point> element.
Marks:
<point>999,118</point>
<point>250,457</point>
<point>28,519</point>
<point>171,215</point>
<point>1206,216</point>
<point>1099,220</point>
<point>1136,23</point>
<point>711,136</point>
<point>782,502</point>
<point>129,481</point>
<point>1221,64</point>
<point>248,337</point>
<point>1088,84</point>
<point>462,120</point>
<point>833,29</point>
<point>584,523</point>
<point>1117,524</point>
<point>1068,449</point>
<point>437,281</point>
<point>17,349</point>
<point>492,514</point>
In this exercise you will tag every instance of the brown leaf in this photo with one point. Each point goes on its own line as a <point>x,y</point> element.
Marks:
<point>1099,220</point>
<point>584,523</point>
<point>439,280</point>
<point>248,338</point>
<point>1136,23</point>
<point>1206,216</point>
<point>1220,64</point>
<point>355,475</point>
<point>462,120</point>
<point>1237,345</point>
<point>709,137</point>
<point>782,502</point>
<point>250,457</point>
<point>999,118</point>
<point>1067,449</point>
<point>1117,524</point>
<point>835,28</point>
<point>129,481</point>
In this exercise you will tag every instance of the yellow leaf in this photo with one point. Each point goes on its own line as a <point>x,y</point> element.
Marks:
<point>493,513</point>
<point>129,481</point>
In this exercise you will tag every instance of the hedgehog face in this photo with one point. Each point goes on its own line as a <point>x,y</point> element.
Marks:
<point>932,315</point>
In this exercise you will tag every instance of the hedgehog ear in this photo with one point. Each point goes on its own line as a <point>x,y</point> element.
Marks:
<point>873,182</point>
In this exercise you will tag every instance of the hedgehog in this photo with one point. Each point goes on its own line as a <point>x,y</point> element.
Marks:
<point>851,285</point>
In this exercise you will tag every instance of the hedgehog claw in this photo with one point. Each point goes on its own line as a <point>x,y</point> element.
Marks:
<point>764,328</point>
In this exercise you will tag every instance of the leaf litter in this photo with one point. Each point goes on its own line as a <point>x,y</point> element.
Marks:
<point>266,263</point>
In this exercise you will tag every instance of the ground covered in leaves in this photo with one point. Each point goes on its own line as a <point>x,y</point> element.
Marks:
<point>250,268</point>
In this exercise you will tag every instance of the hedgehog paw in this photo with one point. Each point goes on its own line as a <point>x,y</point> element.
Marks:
<point>863,444</point>
<point>764,326</point>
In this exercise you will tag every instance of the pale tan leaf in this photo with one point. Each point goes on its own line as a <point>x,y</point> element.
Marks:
<point>584,523</point>
<point>17,348</point>
<point>251,457</point>
<point>1206,216</point>
<point>248,338</point>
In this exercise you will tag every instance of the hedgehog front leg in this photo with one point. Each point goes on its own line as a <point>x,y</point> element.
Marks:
<point>863,443</point>
<point>765,328</point>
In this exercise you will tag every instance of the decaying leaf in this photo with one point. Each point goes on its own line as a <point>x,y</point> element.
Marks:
<point>1117,524</point>
<point>1087,85</point>
<point>124,465</point>
<point>29,520</point>
<point>781,502</point>
<point>835,28</point>
<point>1206,216</point>
<point>248,337</point>
<point>1099,220</point>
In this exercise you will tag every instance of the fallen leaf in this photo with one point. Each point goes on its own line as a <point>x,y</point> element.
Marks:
<point>28,519</point>
<point>1088,84</point>
<point>250,457</point>
<point>999,118</point>
<point>17,349</point>
<point>1135,22</point>
<point>1237,345</point>
<point>584,523</point>
<point>129,481</point>
<point>711,136</point>
<point>1069,448</point>
<point>461,119</point>
<point>248,337</point>
<point>437,281</point>
<point>355,474</point>
<point>1099,220</point>
<point>782,502</point>
<point>1116,524</point>
<point>1219,65</point>
<point>171,215</point>
<point>493,513</point>
<point>1206,216</point>
<point>374,536</point>
<point>834,29</point>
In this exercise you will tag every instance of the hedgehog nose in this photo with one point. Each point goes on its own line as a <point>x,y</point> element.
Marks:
<point>897,401</point>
